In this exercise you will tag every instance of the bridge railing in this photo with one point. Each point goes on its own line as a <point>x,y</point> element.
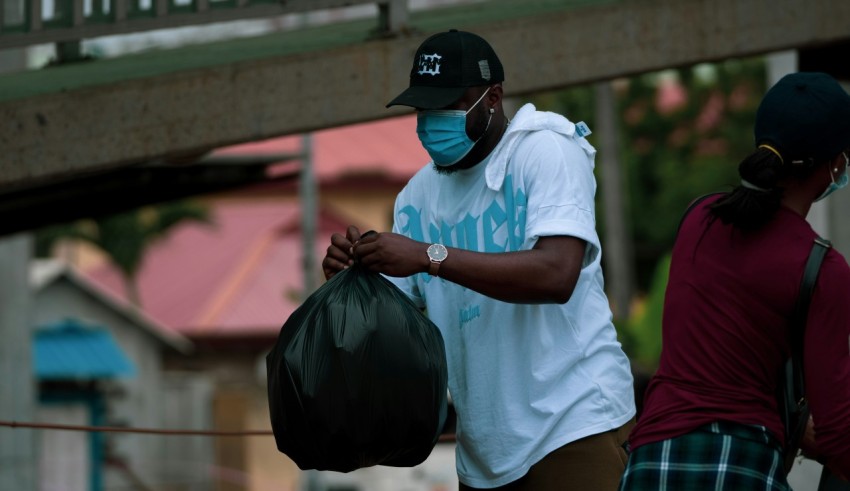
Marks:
<point>67,22</point>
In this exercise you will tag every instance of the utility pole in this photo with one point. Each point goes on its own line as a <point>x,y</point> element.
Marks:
<point>308,190</point>
<point>617,251</point>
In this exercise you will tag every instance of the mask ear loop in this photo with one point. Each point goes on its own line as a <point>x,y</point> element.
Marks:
<point>492,111</point>
<point>846,165</point>
<point>479,100</point>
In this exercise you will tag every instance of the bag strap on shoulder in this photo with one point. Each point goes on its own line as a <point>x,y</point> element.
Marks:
<point>693,205</point>
<point>801,310</point>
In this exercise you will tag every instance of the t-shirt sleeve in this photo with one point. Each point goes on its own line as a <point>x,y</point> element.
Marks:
<point>561,188</point>
<point>827,361</point>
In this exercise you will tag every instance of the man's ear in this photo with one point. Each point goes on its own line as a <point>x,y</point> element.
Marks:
<point>494,95</point>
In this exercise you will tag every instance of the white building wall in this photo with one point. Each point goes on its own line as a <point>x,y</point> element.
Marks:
<point>137,401</point>
<point>64,462</point>
<point>17,386</point>
<point>187,403</point>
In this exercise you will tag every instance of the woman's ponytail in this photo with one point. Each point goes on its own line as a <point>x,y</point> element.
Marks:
<point>754,202</point>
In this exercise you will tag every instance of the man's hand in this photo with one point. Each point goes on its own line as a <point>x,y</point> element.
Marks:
<point>340,254</point>
<point>392,254</point>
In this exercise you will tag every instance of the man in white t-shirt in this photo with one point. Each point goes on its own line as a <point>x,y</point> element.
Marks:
<point>496,239</point>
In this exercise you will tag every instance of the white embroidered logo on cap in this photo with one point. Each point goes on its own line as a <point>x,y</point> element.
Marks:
<point>484,67</point>
<point>429,64</point>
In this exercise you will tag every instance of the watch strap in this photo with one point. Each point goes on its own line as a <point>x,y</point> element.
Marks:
<point>434,268</point>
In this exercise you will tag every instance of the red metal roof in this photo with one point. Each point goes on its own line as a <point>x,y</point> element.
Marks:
<point>242,276</point>
<point>386,147</point>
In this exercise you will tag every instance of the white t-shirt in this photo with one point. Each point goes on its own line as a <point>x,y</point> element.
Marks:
<point>524,379</point>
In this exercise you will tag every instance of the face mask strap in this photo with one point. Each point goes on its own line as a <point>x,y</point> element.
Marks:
<point>836,185</point>
<point>476,102</point>
<point>846,166</point>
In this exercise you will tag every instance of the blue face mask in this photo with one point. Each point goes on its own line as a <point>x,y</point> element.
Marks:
<point>835,186</point>
<point>443,133</point>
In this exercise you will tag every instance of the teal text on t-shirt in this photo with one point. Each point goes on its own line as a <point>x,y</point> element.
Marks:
<point>501,227</point>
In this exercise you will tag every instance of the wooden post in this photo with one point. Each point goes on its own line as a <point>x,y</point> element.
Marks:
<point>119,10</point>
<point>34,15</point>
<point>393,16</point>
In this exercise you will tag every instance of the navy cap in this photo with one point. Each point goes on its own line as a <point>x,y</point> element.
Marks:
<point>445,65</point>
<point>806,117</point>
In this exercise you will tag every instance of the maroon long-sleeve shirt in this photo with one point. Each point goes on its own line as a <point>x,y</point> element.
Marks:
<point>727,312</point>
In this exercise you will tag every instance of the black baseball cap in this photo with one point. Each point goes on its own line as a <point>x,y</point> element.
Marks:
<point>445,65</point>
<point>806,117</point>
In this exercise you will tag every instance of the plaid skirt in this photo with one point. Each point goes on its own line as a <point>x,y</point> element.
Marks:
<point>717,456</point>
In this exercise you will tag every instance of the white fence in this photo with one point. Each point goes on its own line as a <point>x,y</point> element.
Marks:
<point>30,22</point>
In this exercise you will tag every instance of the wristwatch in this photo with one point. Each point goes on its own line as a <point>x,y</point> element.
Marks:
<point>437,254</point>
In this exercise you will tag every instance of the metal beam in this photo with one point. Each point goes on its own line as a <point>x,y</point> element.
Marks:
<point>128,188</point>
<point>62,134</point>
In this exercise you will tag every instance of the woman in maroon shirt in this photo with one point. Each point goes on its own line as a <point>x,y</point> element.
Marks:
<point>711,418</point>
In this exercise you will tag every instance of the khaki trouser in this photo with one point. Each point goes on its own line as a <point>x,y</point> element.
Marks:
<point>594,463</point>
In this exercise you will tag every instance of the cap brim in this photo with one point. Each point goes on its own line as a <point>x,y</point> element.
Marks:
<point>421,97</point>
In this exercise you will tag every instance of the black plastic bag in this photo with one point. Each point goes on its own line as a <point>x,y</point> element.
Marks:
<point>357,377</point>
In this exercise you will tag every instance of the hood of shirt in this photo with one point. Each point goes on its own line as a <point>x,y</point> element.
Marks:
<point>526,120</point>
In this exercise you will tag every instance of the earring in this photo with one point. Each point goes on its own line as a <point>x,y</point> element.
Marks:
<point>835,169</point>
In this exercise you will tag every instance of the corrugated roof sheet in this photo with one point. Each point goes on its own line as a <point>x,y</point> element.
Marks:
<point>238,277</point>
<point>243,275</point>
<point>70,350</point>
<point>387,147</point>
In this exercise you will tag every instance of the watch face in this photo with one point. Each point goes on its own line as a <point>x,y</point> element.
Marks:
<point>437,252</point>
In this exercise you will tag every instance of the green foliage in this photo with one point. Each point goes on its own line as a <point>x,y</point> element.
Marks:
<point>124,237</point>
<point>642,332</point>
<point>45,238</point>
<point>673,157</point>
<point>670,154</point>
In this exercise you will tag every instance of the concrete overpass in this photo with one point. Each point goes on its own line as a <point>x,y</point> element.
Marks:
<point>63,123</point>
<point>87,136</point>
